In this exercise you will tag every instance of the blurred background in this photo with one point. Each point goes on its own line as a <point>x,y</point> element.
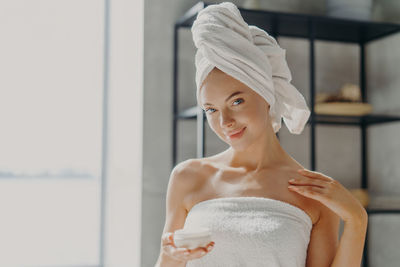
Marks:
<point>86,124</point>
<point>71,118</point>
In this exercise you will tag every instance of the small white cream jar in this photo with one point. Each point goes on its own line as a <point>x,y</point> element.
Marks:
<point>192,238</point>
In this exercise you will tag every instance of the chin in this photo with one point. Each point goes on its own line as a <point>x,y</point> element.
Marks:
<point>239,145</point>
<point>239,148</point>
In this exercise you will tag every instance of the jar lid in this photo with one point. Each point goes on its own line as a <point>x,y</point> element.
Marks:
<point>192,232</point>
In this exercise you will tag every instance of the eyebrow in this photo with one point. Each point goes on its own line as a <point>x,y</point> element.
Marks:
<point>232,95</point>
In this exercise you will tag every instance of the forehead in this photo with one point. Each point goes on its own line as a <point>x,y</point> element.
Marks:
<point>219,84</point>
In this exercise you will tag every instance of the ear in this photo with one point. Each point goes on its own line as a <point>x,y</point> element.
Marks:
<point>268,105</point>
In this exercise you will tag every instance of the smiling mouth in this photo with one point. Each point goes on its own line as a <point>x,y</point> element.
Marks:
<point>237,134</point>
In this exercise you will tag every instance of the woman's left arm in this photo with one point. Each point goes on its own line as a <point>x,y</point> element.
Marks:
<point>340,201</point>
<point>351,245</point>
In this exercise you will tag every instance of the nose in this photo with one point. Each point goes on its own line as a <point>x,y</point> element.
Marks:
<point>226,120</point>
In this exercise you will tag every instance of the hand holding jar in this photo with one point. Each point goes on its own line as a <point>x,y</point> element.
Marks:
<point>187,244</point>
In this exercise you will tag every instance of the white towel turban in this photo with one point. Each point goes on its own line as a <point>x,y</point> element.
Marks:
<point>248,54</point>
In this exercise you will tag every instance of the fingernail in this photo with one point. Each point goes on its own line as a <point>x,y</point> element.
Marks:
<point>186,253</point>
<point>203,253</point>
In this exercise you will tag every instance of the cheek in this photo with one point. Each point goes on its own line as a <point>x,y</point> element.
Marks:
<point>262,112</point>
<point>257,119</point>
<point>214,125</point>
<point>217,130</point>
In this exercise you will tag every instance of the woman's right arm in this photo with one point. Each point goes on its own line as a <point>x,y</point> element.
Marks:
<point>175,217</point>
<point>181,182</point>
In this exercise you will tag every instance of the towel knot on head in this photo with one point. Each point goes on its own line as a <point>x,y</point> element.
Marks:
<point>249,54</point>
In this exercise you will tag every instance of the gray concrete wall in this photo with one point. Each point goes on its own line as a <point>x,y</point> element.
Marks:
<point>336,63</point>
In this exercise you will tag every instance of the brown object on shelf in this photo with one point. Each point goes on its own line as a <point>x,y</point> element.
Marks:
<point>322,97</point>
<point>350,92</point>
<point>343,108</point>
<point>347,93</point>
<point>361,195</point>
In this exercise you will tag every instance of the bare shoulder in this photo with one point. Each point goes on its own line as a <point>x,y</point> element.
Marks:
<point>188,176</point>
<point>311,206</point>
<point>186,165</point>
<point>191,169</point>
<point>184,173</point>
<point>187,170</point>
<point>181,179</point>
<point>321,210</point>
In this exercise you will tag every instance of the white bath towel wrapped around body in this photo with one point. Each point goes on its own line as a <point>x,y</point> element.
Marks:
<point>252,232</point>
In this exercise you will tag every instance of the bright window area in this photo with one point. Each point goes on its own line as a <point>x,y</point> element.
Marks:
<point>51,89</point>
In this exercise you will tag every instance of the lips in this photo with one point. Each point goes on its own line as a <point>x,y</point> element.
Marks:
<point>235,132</point>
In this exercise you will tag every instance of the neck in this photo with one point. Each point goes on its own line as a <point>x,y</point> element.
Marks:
<point>263,154</point>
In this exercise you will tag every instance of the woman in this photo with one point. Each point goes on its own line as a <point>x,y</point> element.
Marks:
<point>257,214</point>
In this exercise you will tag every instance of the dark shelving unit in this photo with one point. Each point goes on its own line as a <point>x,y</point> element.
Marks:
<point>311,27</point>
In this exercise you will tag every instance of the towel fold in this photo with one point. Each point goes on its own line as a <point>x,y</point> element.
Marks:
<point>252,232</point>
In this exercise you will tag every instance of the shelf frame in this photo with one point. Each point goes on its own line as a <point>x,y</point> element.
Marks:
<point>288,24</point>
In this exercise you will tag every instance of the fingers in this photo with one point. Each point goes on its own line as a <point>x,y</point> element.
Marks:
<point>202,251</point>
<point>307,181</point>
<point>185,254</point>
<point>181,253</point>
<point>313,192</point>
<point>307,189</point>
<point>170,248</point>
<point>312,174</point>
<point>210,246</point>
<point>168,239</point>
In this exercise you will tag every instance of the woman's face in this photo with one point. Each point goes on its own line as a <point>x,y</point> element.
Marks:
<point>231,106</point>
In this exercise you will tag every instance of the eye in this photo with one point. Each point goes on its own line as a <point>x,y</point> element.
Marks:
<point>238,100</point>
<point>208,110</point>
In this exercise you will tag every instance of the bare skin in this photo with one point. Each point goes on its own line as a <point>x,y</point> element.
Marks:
<point>256,165</point>
<point>217,180</point>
